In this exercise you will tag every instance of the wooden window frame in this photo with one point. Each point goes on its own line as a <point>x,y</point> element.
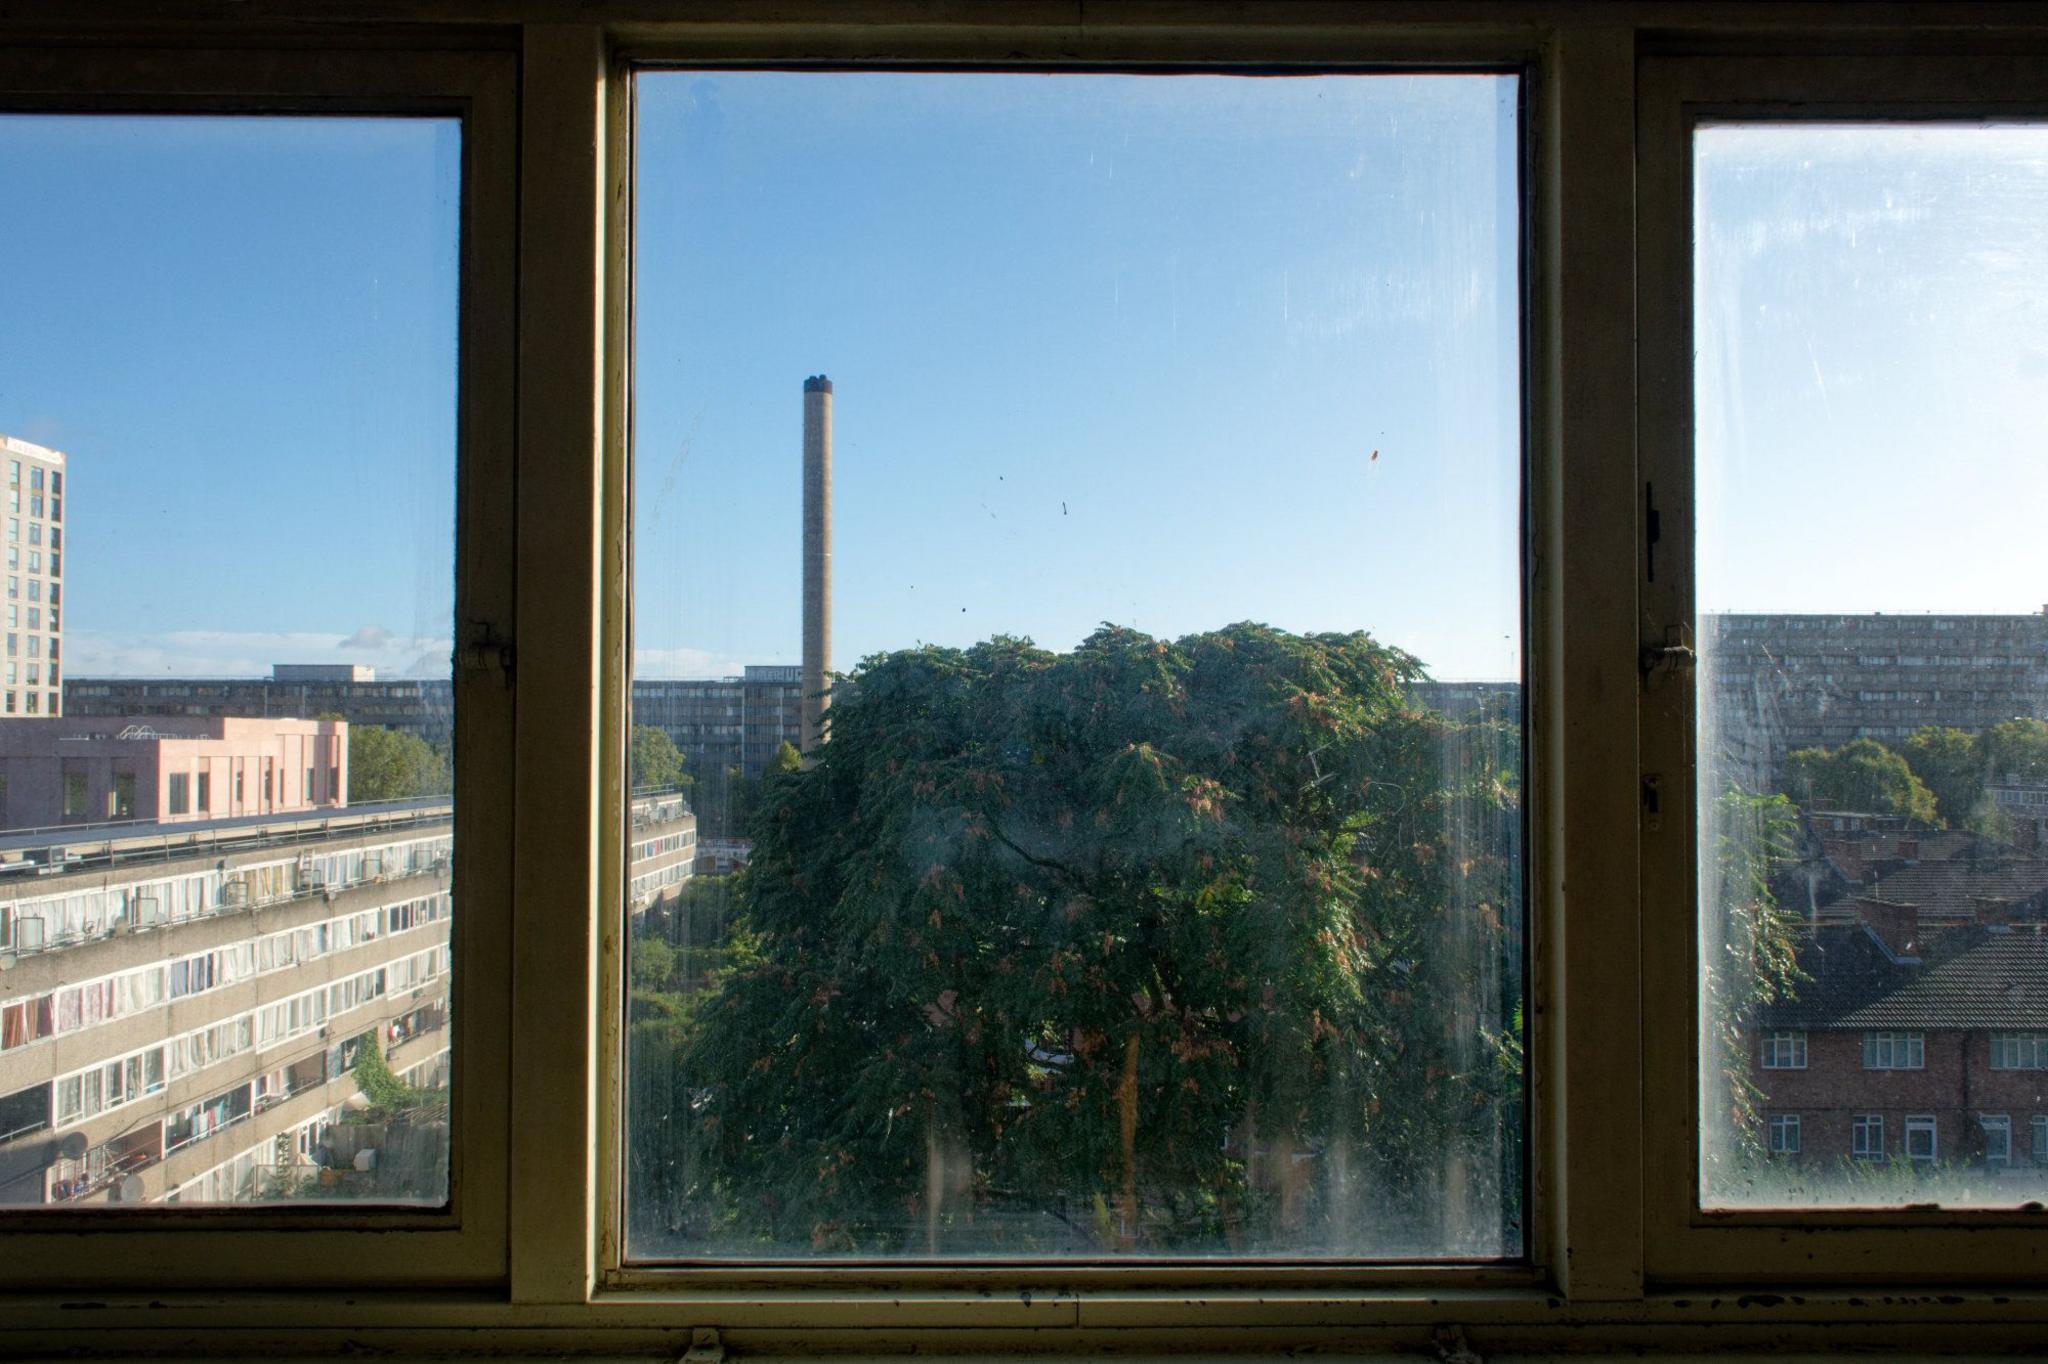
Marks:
<point>311,1245</point>
<point>1689,1244</point>
<point>528,1257</point>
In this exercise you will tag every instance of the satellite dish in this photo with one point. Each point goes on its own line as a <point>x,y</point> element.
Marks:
<point>71,1146</point>
<point>129,1190</point>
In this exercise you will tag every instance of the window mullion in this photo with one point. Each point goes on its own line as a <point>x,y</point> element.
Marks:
<point>554,1057</point>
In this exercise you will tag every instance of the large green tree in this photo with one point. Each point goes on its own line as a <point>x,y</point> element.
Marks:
<point>1207,943</point>
<point>652,759</point>
<point>1862,775</point>
<point>389,764</point>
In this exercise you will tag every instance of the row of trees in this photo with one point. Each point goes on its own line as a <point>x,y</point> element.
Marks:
<point>1942,776</point>
<point>1156,945</point>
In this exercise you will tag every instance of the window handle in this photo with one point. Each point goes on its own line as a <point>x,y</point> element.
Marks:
<point>1675,655</point>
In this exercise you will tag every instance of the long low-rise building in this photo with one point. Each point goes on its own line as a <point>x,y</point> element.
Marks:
<point>421,706</point>
<point>185,1008</point>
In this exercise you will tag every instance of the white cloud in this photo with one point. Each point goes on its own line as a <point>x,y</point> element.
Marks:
<point>667,663</point>
<point>249,653</point>
<point>366,637</point>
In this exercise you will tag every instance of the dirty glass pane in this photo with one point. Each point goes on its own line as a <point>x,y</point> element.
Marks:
<point>1076,703</point>
<point>227,430</point>
<point>1873,777</point>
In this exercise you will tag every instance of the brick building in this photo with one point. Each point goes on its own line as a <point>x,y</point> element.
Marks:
<point>1920,1029</point>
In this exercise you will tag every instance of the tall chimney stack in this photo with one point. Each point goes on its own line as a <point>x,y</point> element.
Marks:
<point>817,559</point>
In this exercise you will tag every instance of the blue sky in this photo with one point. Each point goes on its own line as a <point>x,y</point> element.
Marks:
<point>242,334</point>
<point>1104,348</point>
<point>1166,351</point>
<point>1872,322</point>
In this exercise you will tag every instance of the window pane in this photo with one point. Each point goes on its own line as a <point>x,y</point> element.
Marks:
<point>1870,307</point>
<point>240,334</point>
<point>1090,918</point>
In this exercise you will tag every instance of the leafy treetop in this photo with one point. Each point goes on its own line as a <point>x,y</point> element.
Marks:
<point>1151,944</point>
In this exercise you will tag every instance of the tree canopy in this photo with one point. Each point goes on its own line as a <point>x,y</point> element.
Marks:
<point>388,764</point>
<point>652,759</point>
<point>2015,751</point>
<point>1862,775</point>
<point>1153,945</point>
<point>1948,761</point>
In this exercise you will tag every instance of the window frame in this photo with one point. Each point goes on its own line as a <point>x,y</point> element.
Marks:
<point>1894,1049</point>
<point>1341,52</point>
<point>1987,1123</point>
<point>1614,1261</point>
<point>1676,92</point>
<point>464,1242</point>
<point>1793,1041</point>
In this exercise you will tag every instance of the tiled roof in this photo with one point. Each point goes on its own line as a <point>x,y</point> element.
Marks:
<point>1958,883</point>
<point>1971,978</point>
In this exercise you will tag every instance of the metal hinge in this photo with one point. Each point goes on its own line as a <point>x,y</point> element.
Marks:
<point>705,1347</point>
<point>485,648</point>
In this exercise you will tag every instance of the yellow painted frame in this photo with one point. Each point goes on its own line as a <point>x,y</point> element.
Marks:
<point>464,1242</point>
<point>528,1261</point>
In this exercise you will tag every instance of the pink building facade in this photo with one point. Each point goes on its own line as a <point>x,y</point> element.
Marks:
<point>92,770</point>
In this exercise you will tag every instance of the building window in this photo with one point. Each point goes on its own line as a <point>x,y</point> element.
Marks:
<point>1997,1130</point>
<point>1920,1138</point>
<point>1894,1051</point>
<point>34,702</point>
<point>179,798</point>
<point>123,796</point>
<point>2019,1051</point>
<point>1785,1049</point>
<point>1866,1136</point>
<point>74,795</point>
<point>1784,1129</point>
<point>205,789</point>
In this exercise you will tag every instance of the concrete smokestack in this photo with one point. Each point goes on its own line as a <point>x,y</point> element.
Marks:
<point>817,558</point>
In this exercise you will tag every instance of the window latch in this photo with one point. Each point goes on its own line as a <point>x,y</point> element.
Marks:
<point>705,1347</point>
<point>485,648</point>
<point>1674,656</point>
